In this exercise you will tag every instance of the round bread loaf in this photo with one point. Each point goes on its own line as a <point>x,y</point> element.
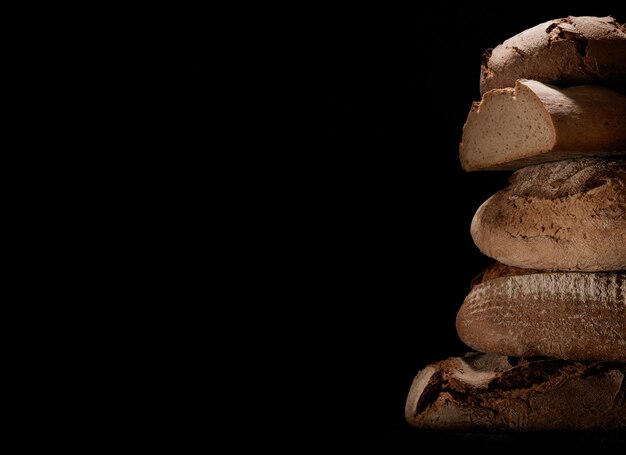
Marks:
<point>565,315</point>
<point>488,392</point>
<point>565,215</point>
<point>568,51</point>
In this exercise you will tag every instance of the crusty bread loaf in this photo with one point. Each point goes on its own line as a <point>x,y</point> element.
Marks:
<point>568,215</point>
<point>534,123</point>
<point>568,51</point>
<point>565,315</point>
<point>481,391</point>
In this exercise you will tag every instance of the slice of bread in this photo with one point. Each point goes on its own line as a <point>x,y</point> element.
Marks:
<point>535,123</point>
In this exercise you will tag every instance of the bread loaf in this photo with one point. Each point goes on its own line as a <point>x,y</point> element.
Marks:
<point>565,315</point>
<point>568,215</point>
<point>568,51</point>
<point>535,122</point>
<point>488,392</point>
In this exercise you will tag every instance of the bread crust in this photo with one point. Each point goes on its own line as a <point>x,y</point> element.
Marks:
<point>568,215</point>
<point>499,270</point>
<point>565,315</point>
<point>566,51</point>
<point>488,392</point>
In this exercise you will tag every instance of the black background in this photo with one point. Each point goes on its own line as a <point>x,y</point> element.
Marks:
<point>372,207</point>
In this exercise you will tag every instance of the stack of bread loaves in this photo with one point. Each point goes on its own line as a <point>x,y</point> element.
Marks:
<point>549,318</point>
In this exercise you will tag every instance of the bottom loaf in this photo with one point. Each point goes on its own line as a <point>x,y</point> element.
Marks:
<point>492,392</point>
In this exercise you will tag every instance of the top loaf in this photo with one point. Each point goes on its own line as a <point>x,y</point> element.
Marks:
<point>567,51</point>
<point>556,91</point>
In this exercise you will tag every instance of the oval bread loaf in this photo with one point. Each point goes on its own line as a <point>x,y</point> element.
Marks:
<point>565,315</point>
<point>567,215</point>
<point>535,123</point>
<point>567,51</point>
<point>489,392</point>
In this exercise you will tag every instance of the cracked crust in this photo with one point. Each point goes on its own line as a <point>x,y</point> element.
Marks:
<point>568,215</point>
<point>567,51</point>
<point>565,315</point>
<point>489,392</point>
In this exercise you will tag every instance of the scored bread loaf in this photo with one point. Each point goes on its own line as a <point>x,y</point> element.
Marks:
<point>565,315</point>
<point>535,122</point>
<point>489,392</point>
<point>568,51</point>
<point>567,215</point>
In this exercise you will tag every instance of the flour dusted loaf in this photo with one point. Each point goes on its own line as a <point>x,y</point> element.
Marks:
<point>489,392</point>
<point>535,122</point>
<point>565,315</point>
<point>568,51</point>
<point>567,215</point>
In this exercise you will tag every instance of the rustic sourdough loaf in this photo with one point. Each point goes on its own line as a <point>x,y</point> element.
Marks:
<point>534,123</point>
<point>488,392</point>
<point>567,215</point>
<point>568,51</point>
<point>565,315</point>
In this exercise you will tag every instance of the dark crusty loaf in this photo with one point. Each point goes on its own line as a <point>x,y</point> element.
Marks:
<point>567,215</point>
<point>535,123</point>
<point>488,392</point>
<point>568,51</point>
<point>566,315</point>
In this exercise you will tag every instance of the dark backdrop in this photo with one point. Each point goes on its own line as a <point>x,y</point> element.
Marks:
<point>373,209</point>
<point>393,89</point>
